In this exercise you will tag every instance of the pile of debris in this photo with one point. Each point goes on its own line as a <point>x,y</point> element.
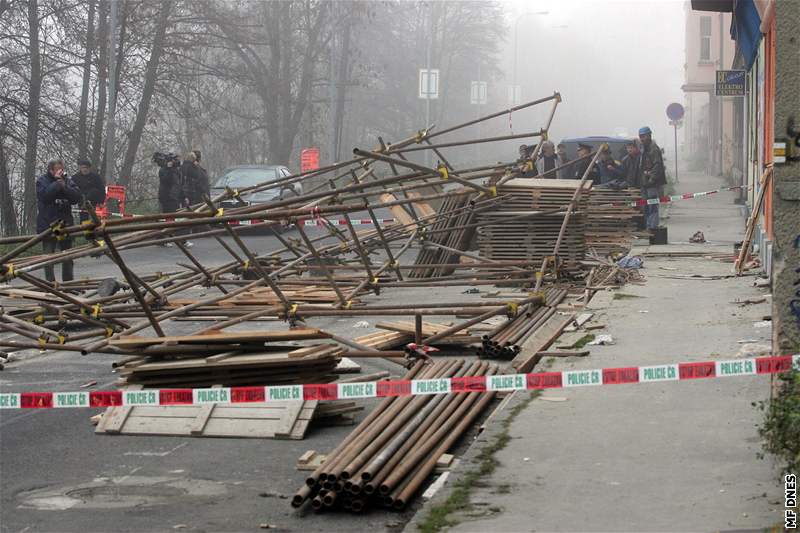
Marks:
<point>528,233</point>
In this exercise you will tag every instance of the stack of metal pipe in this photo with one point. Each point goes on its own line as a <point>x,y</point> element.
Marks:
<point>506,340</point>
<point>390,455</point>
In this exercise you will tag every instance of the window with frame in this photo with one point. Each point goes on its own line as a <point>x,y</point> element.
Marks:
<point>705,38</point>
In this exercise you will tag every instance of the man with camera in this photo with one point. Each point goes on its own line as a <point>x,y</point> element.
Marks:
<point>55,194</point>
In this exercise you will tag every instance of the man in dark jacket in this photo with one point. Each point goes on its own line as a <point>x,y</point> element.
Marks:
<point>652,177</point>
<point>55,195</point>
<point>630,164</point>
<point>170,191</point>
<point>581,165</point>
<point>195,180</point>
<point>90,184</point>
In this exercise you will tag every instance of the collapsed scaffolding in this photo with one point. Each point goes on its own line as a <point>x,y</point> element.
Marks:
<point>528,232</point>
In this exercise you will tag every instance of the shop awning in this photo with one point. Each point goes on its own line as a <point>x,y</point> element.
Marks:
<point>746,31</point>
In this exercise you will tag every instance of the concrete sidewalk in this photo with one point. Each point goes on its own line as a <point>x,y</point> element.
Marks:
<point>647,457</point>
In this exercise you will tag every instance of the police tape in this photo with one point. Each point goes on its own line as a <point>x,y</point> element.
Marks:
<point>415,387</point>
<point>670,199</point>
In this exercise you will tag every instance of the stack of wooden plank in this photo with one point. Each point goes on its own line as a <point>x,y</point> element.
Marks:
<point>212,343</point>
<point>312,364</point>
<point>459,238</point>
<point>504,235</point>
<point>609,229</point>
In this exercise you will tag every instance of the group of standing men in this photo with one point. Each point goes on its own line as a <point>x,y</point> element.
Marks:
<point>642,167</point>
<point>180,185</point>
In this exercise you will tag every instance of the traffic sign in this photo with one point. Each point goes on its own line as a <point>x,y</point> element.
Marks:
<point>675,111</point>
<point>429,83</point>
<point>477,93</point>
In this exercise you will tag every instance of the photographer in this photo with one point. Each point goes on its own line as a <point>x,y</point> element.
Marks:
<point>169,181</point>
<point>55,195</point>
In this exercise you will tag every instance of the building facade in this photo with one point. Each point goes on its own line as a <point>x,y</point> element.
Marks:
<point>751,27</point>
<point>709,144</point>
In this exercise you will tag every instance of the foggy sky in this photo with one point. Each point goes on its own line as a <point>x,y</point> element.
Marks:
<point>617,64</point>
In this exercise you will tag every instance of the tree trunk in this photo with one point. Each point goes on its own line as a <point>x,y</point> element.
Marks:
<point>83,140</point>
<point>102,77</point>
<point>32,132</point>
<point>8,217</point>
<point>147,93</point>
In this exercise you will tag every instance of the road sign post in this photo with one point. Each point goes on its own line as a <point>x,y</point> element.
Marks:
<point>675,113</point>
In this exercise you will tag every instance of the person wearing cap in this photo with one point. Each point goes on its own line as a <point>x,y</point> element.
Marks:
<point>547,162</point>
<point>583,162</point>
<point>90,184</point>
<point>651,175</point>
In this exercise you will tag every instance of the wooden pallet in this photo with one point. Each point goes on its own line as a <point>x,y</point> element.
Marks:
<point>274,420</point>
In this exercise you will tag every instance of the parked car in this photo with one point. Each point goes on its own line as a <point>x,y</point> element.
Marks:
<point>244,176</point>
<point>615,144</point>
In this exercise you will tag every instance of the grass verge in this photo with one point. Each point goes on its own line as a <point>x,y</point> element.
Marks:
<point>439,517</point>
<point>624,296</point>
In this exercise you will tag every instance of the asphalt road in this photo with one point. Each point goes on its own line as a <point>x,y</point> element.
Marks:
<point>57,475</point>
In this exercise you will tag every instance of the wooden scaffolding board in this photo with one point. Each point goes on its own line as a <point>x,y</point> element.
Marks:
<point>263,420</point>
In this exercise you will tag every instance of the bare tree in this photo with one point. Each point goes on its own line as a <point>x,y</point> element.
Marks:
<point>32,131</point>
<point>8,217</point>
<point>83,141</point>
<point>151,73</point>
<point>279,45</point>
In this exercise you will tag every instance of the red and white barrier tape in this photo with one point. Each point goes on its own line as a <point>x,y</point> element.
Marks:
<point>670,199</point>
<point>416,387</point>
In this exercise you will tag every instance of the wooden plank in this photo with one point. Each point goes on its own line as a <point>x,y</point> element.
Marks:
<point>231,337</point>
<point>200,421</point>
<point>114,418</point>
<point>287,421</point>
<point>261,420</point>
<point>539,342</point>
<point>580,320</point>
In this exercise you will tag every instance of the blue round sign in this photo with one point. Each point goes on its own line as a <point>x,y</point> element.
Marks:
<point>675,111</point>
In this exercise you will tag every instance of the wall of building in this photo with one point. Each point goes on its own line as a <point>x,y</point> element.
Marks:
<point>704,57</point>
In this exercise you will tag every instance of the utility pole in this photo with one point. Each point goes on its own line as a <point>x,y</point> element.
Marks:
<point>111,124</point>
<point>333,93</point>
<point>719,98</point>
<point>786,195</point>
